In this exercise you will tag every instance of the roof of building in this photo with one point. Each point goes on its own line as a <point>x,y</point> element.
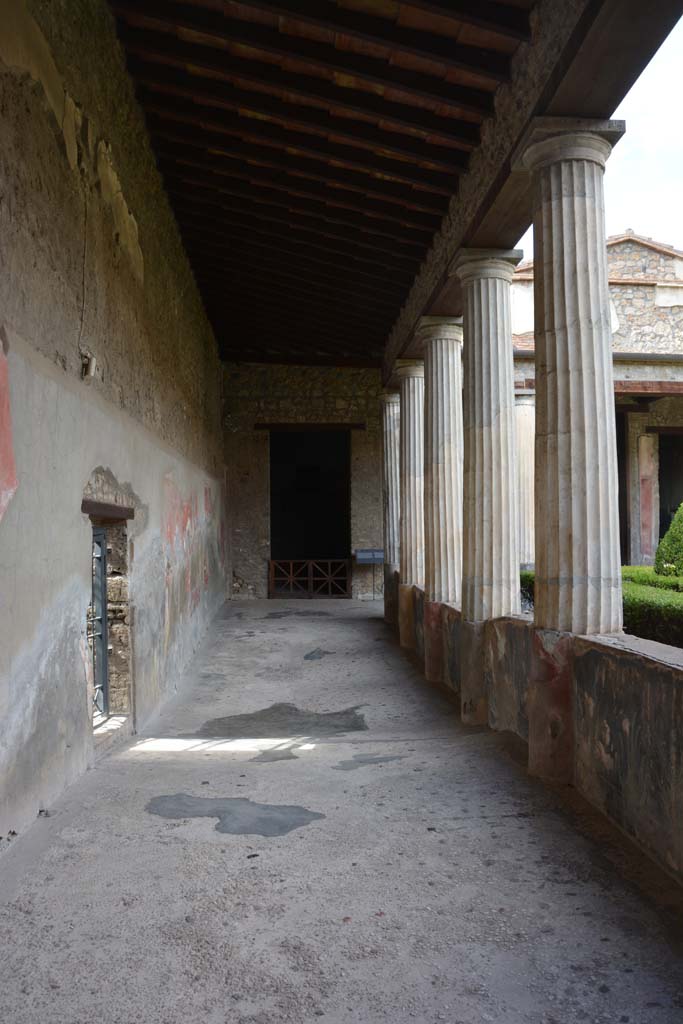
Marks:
<point>524,270</point>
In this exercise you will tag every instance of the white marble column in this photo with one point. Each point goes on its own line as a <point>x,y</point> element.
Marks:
<point>442,339</point>
<point>578,578</point>
<point>525,418</point>
<point>391,418</point>
<point>491,535</point>
<point>411,376</point>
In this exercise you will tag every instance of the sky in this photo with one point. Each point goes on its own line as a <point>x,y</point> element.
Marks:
<point>644,175</point>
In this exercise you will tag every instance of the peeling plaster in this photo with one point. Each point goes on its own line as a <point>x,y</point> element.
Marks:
<point>24,48</point>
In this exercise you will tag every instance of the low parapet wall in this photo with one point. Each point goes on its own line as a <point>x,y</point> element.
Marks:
<point>604,714</point>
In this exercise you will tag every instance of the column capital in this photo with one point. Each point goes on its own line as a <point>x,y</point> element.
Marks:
<point>409,368</point>
<point>477,264</point>
<point>446,328</point>
<point>549,140</point>
<point>390,396</point>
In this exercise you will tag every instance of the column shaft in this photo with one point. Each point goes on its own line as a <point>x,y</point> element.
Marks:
<point>411,434</point>
<point>443,460</point>
<point>525,418</point>
<point>578,579</point>
<point>391,417</point>
<point>491,542</point>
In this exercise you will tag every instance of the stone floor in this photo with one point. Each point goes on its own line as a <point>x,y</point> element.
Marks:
<point>308,832</point>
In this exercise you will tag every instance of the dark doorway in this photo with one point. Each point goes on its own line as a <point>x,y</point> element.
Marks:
<point>670,478</point>
<point>310,512</point>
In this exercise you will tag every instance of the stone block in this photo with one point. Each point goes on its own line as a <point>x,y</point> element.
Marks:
<point>390,595</point>
<point>508,644</point>
<point>434,641</point>
<point>550,706</point>
<point>452,620</point>
<point>418,622</point>
<point>473,700</point>
<point>406,616</point>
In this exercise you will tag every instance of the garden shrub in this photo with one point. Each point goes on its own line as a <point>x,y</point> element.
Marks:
<point>526,579</point>
<point>670,549</point>
<point>654,613</point>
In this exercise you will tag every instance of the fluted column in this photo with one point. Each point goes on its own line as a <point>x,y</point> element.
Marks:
<point>578,578</point>
<point>411,433</point>
<point>441,338</point>
<point>443,458</point>
<point>490,552</point>
<point>490,584</point>
<point>525,417</point>
<point>391,418</point>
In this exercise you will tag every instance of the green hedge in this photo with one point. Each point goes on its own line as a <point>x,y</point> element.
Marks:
<point>653,605</point>
<point>648,577</point>
<point>654,613</point>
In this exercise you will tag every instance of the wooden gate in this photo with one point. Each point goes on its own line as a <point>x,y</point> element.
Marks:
<point>315,577</point>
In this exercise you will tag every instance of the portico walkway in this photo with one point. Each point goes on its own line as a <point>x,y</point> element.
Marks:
<point>420,874</point>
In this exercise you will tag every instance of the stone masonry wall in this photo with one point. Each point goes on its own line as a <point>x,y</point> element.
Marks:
<point>643,323</point>
<point>92,273</point>
<point>307,395</point>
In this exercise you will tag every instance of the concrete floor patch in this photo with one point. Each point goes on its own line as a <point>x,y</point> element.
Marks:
<point>317,654</point>
<point>363,760</point>
<point>283,720</point>
<point>236,816</point>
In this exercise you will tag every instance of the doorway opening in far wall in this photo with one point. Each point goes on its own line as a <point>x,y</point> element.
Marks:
<point>310,513</point>
<point>109,614</point>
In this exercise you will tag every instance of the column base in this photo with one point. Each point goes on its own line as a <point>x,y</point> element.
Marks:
<point>473,699</point>
<point>434,641</point>
<point>391,595</point>
<point>550,706</point>
<point>406,615</point>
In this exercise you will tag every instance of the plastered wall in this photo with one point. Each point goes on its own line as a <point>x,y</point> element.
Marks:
<point>92,268</point>
<point>304,395</point>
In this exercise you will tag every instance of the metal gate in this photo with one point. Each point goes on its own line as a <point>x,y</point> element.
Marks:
<point>99,621</point>
<point>321,577</point>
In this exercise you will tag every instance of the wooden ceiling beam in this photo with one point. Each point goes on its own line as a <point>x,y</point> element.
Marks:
<point>214,173</point>
<point>509,22</point>
<point>221,219</point>
<point>225,66</point>
<point>322,57</point>
<point>319,277</point>
<point>287,305</point>
<point>267,280</point>
<point>202,205</point>
<point>378,31</point>
<point>268,137</point>
<point>250,246</point>
<point>263,202</point>
<point>205,92</point>
<point>285,172</point>
<point>251,317</point>
<point>370,276</point>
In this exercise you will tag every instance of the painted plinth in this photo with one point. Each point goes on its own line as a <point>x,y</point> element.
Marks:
<point>578,579</point>
<point>442,339</point>
<point>391,417</point>
<point>490,584</point>
<point>411,464</point>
